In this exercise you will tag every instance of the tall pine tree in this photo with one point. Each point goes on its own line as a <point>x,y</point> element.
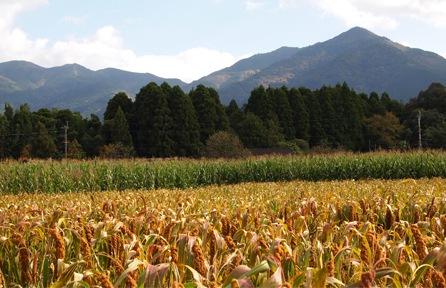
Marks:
<point>209,110</point>
<point>185,128</point>
<point>301,118</point>
<point>153,122</point>
<point>42,143</point>
<point>120,129</point>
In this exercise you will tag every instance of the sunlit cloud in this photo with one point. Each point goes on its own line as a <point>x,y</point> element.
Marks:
<point>384,13</point>
<point>105,48</point>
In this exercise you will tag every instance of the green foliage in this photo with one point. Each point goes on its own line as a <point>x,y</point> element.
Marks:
<point>120,129</point>
<point>299,146</point>
<point>432,98</point>
<point>383,131</point>
<point>209,111</point>
<point>301,117</point>
<point>153,121</point>
<point>116,150</point>
<point>185,127</point>
<point>164,121</point>
<point>224,145</point>
<point>42,145</point>
<point>432,106</point>
<point>251,131</point>
<point>52,176</point>
<point>22,129</point>
<point>75,151</point>
<point>119,101</point>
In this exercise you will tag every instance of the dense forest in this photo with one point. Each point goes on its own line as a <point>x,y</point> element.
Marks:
<point>164,121</point>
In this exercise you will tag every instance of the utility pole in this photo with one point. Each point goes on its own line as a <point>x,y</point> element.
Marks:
<point>66,140</point>
<point>419,130</point>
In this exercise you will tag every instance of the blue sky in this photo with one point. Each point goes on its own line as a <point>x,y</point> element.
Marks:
<point>190,39</point>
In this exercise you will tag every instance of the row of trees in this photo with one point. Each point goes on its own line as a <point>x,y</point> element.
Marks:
<point>163,121</point>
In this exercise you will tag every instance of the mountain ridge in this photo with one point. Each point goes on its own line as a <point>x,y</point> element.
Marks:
<point>365,61</point>
<point>70,86</point>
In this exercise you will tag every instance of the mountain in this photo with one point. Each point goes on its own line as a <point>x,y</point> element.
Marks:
<point>365,61</point>
<point>71,86</point>
<point>243,69</point>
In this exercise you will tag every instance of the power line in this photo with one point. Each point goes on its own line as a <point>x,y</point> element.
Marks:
<point>419,130</point>
<point>65,127</point>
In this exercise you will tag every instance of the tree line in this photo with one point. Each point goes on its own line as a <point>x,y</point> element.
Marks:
<point>164,121</point>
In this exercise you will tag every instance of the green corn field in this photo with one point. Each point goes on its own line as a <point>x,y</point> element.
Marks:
<point>103,175</point>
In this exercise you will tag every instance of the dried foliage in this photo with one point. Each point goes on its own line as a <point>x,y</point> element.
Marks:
<point>287,234</point>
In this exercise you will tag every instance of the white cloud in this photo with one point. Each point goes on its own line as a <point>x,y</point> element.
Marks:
<point>254,5</point>
<point>288,3</point>
<point>105,48</point>
<point>385,13</point>
<point>191,64</point>
<point>74,20</point>
<point>14,42</point>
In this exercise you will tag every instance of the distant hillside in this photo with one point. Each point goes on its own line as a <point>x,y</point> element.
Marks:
<point>365,61</point>
<point>243,69</point>
<point>70,86</point>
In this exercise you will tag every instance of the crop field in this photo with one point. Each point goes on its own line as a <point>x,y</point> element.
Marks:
<point>99,175</point>
<point>284,234</point>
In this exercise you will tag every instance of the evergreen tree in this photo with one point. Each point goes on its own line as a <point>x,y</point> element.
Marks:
<point>274,132</point>
<point>22,129</point>
<point>375,106</point>
<point>236,117</point>
<point>252,132</point>
<point>353,115</point>
<point>301,118</point>
<point>185,127</point>
<point>392,105</point>
<point>75,150</point>
<point>317,132</point>
<point>282,111</point>
<point>260,104</point>
<point>120,129</point>
<point>232,108</point>
<point>222,123</point>
<point>119,100</point>
<point>48,118</point>
<point>92,140</point>
<point>11,138</point>
<point>210,112</point>
<point>42,143</point>
<point>154,124</point>
<point>330,117</point>
<point>432,98</point>
<point>4,125</point>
